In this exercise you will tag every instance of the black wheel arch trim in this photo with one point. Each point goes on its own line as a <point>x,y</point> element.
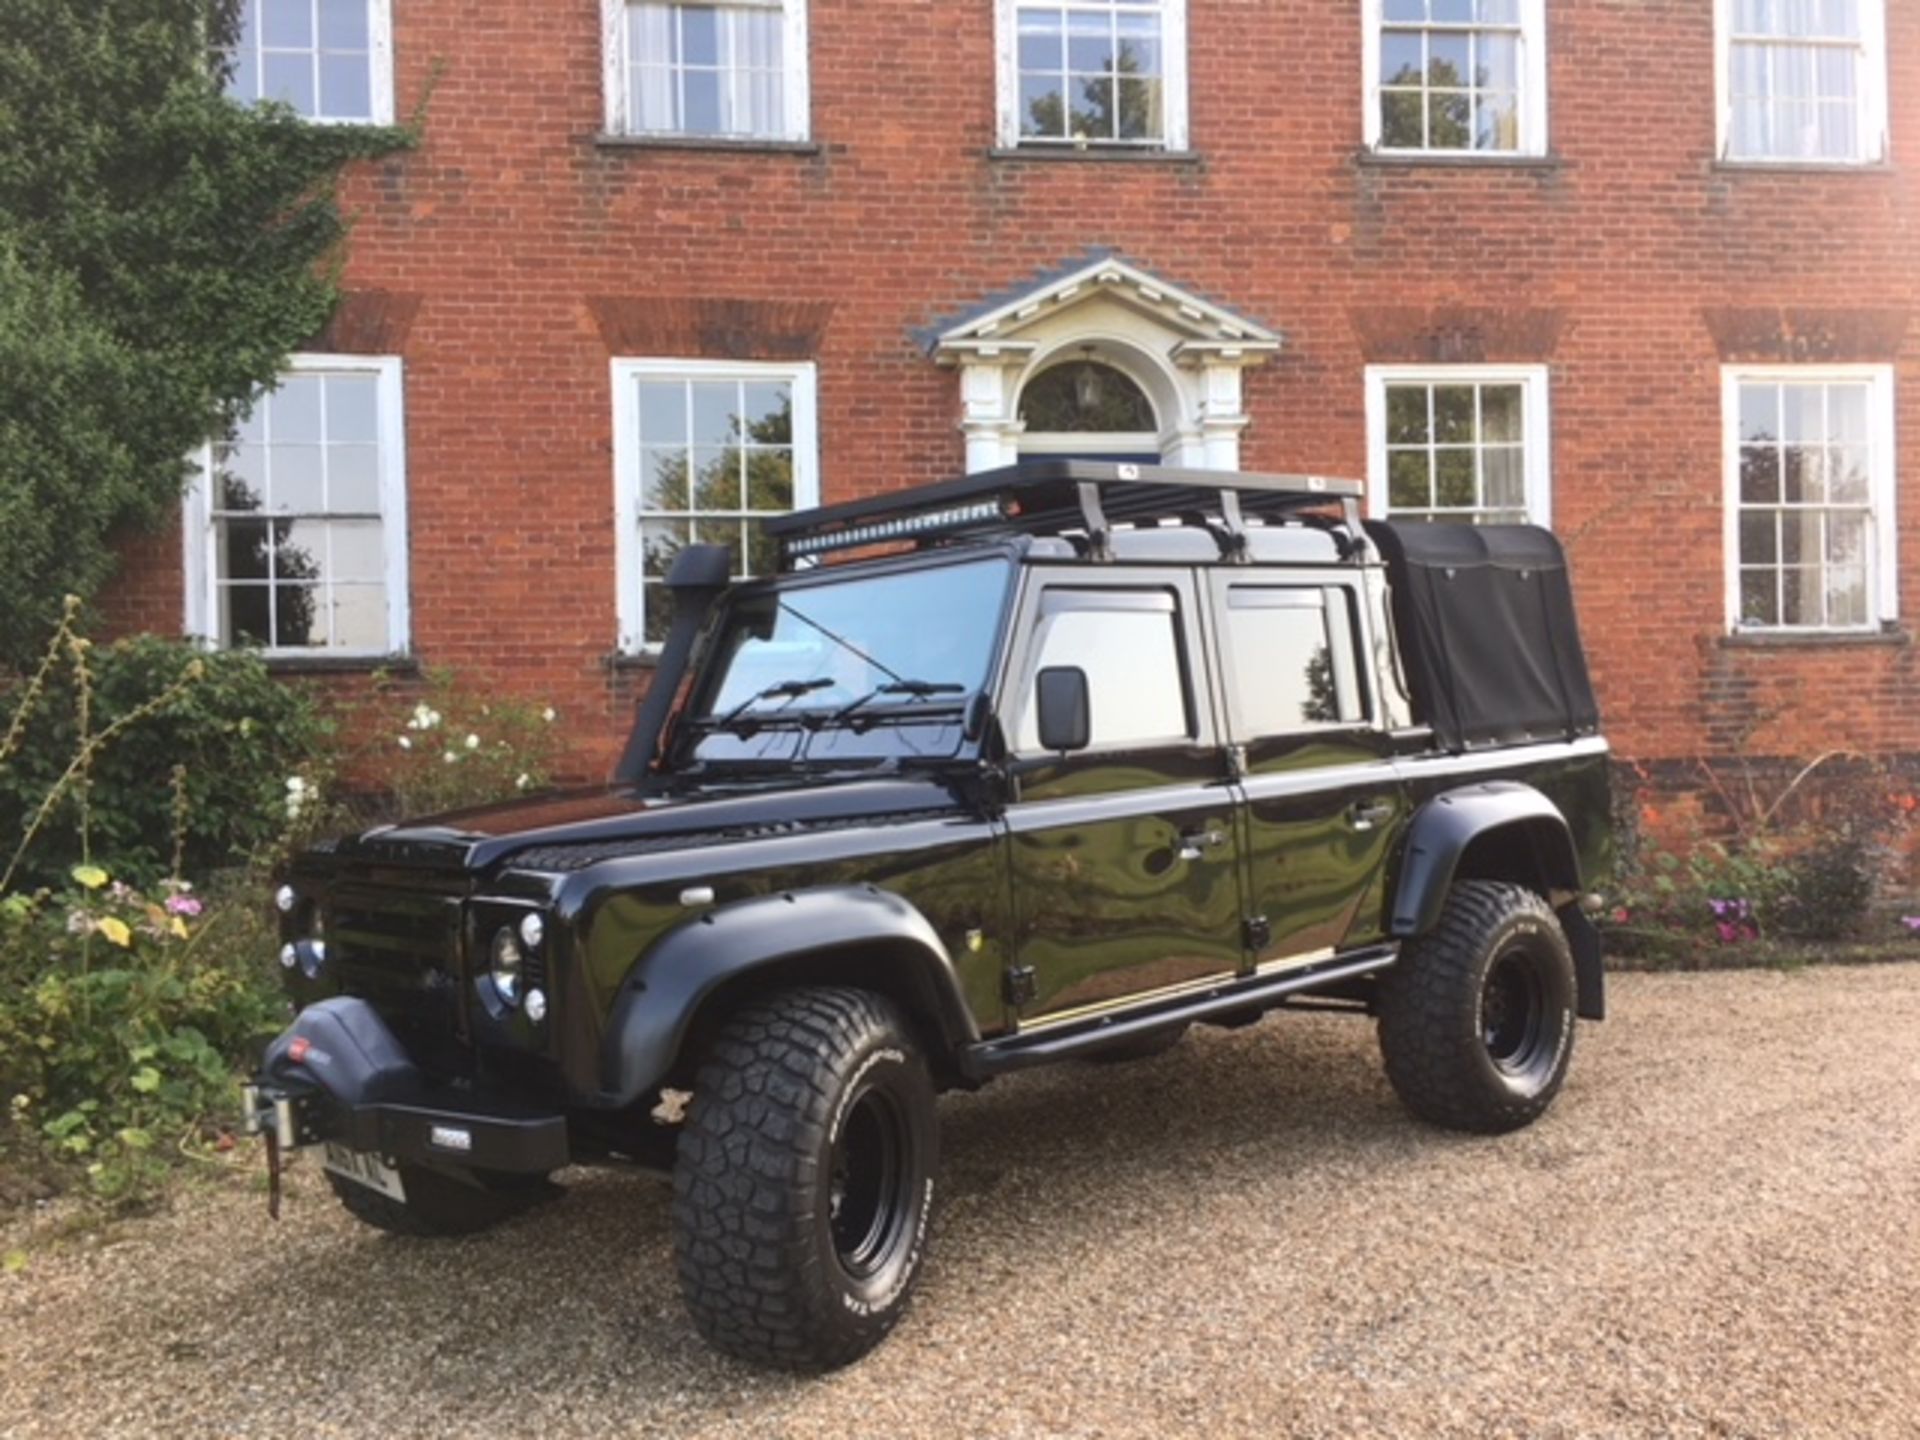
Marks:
<point>1447,826</point>
<point>797,934</point>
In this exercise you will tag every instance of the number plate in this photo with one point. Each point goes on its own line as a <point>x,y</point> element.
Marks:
<point>364,1168</point>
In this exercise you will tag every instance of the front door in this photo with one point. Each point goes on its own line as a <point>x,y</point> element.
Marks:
<point>1123,855</point>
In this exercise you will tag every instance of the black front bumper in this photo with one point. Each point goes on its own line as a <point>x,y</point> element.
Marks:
<point>337,1074</point>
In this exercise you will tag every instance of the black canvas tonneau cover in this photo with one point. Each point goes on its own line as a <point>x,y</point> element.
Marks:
<point>1484,615</point>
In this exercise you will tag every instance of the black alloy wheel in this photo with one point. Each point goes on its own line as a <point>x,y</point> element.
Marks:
<point>1513,1014</point>
<point>869,1199</point>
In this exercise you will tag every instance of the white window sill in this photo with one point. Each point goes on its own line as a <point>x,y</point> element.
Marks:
<point>330,662</point>
<point>1458,159</point>
<point>645,659</point>
<point>1803,167</point>
<point>726,143</point>
<point>1125,154</point>
<point>1890,634</point>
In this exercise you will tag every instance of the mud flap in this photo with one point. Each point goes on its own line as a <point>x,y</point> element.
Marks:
<point>1589,972</point>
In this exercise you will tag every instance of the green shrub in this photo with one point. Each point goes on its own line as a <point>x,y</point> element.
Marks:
<point>162,249</point>
<point>1828,888</point>
<point>199,766</point>
<point>121,1013</point>
<point>1806,864</point>
<point>443,745</point>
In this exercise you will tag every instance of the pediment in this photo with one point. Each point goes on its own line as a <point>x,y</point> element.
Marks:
<point>1189,323</point>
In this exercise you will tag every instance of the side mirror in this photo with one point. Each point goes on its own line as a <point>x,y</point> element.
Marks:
<point>1060,693</point>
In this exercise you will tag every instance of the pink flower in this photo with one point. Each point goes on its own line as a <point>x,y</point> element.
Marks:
<point>183,905</point>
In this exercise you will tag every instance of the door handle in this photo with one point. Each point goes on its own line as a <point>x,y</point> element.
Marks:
<point>1192,842</point>
<point>1365,814</point>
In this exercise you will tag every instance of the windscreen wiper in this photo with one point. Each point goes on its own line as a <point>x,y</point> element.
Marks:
<point>780,690</point>
<point>918,689</point>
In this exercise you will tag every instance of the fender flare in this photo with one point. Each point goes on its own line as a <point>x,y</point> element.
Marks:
<point>1448,825</point>
<point>675,976</point>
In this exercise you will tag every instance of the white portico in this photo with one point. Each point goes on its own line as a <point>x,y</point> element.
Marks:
<point>1104,360</point>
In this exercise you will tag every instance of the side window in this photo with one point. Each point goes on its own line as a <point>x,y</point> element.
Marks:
<point>1289,660</point>
<point>1128,643</point>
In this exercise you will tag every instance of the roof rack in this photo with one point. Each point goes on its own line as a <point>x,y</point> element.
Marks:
<point>1083,499</point>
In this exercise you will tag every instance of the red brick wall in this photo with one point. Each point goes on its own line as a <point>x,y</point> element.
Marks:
<point>510,256</point>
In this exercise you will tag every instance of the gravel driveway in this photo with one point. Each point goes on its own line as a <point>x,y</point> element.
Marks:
<point>1716,1231</point>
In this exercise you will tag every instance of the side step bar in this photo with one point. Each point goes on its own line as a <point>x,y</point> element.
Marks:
<point>1023,1050</point>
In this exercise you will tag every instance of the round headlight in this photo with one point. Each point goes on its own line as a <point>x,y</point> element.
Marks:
<point>507,959</point>
<point>532,931</point>
<point>284,899</point>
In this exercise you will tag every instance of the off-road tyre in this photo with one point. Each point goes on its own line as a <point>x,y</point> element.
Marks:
<point>439,1205</point>
<point>1476,1018</point>
<point>804,1179</point>
<point>1137,1047</point>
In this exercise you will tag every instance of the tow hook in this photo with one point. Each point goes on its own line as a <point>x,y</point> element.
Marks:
<point>285,1122</point>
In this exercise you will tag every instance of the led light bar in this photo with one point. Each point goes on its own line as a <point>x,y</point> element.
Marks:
<point>903,527</point>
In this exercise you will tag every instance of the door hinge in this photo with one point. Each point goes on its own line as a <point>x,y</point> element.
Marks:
<point>1256,933</point>
<point>1017,986</point>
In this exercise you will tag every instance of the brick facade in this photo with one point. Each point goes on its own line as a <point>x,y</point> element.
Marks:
<point>514,253</point>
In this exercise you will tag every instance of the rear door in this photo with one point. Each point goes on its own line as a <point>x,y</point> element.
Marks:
<point>1322,799</point>
<point>1123,856</point>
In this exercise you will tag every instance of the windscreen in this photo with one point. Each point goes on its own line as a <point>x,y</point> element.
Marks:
<point>835,666</point>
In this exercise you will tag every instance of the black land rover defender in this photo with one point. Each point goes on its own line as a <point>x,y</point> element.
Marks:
<point>1043,764</point>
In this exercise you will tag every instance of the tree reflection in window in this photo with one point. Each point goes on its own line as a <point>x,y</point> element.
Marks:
<point>1085,396</point>
<point>1091,72</point>
<point>1282,671</point>
<point>298,518</point>
<point>716,456</point>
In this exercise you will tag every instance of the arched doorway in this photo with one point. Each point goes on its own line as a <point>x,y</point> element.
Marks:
<point>1089,408</point>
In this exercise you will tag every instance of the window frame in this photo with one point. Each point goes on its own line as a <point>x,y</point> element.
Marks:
<point>796,90</point>
<point>380,71</point>
<point>1875,131</point>
<point>1173,43</point>
<point>627,372</point>
<point>1533,110</point>
<point>201,568</point>
<point>1883,580</point>
<point>1536,411</point>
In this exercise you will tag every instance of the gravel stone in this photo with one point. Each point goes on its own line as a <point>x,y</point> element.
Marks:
<point>1712,1233</point>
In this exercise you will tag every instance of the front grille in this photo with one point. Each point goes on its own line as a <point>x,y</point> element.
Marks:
<point>400,950</point>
